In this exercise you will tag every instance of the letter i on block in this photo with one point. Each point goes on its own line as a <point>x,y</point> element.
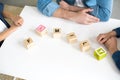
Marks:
<point>41,30</point>
<point>84,46</point>
<point>71,37</point>
<point>56,33</point>
<point>99,53</point>
<point>28,43</point>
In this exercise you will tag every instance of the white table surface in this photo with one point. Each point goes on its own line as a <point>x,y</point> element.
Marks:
<point>56,59</point>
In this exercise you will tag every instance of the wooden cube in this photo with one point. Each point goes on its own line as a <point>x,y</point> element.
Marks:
<point>9,77</point>
<point>56,33</point>
<point>41,30</point>
<point>71,37</point>
<point>99,53</point>
<point>84,46</point>
<point>28,43</point>
<point>19,79</point>
<point>6,77</point>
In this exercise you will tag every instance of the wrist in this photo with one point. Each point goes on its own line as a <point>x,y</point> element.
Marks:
<point>112,33</point>
<point>62,13</point>
<point>12,18</point>
<point>113,51</point>
<point>68,15</point>
<point>13,27</point>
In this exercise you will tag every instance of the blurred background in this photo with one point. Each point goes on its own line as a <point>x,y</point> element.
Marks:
<point>16,6</point>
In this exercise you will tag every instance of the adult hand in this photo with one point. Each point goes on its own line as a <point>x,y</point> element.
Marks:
<point>102,38</point>
<point>84,18</point>
<point>111,45</point>
<point>81,17</point>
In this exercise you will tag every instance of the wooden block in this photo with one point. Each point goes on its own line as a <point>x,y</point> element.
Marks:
<point>99,53</point>
<point>71,37</point>
<point>84,46</point>
<point>9,77</point>
<point>6,77</point>
<point>28,43</point>
<point>19,79</point>
<point>56,33</point>
<point>41,30</point>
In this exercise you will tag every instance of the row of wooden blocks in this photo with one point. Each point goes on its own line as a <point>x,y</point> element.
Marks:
<point>9,77</point>
<point>71,37</point>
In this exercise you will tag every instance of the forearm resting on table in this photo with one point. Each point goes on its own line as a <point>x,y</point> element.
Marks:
<point>75,8</point>
<point>116,58</point>
<point>7,32</point>
<point>8,15</point>
<point>62,13</point>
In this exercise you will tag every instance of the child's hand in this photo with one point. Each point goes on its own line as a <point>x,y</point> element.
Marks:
<point>13,27</point>
<point>17,20</point>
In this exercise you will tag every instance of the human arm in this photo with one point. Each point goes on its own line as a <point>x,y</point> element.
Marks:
<point>102,9</point>
<point>17,22</point>
<point>117,30</point>
<point>102,38</point>
<point>50,8</point>
<point>7,32</point>
<point>81,17</point>
<point>69,7</point>
<point>16,19</point>
<point>116,58</point>
<point>111,45</point>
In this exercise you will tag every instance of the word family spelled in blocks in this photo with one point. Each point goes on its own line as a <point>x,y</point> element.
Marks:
<point>71,37</point>
<point>28,43</point>
<point>99,53</point>
<point>41,30</point>
<point>56,33</point>
<point>8,77</point>
<point>84,46</point>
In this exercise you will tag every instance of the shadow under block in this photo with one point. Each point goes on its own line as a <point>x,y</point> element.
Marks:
<point>84,46</point>
<point>71,37</point>
<point>100,53</point>
<point>56,33</point>
<point>41,30</point>
<point>9,77</point>
<point>28,43</point>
